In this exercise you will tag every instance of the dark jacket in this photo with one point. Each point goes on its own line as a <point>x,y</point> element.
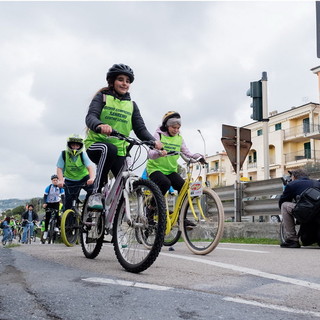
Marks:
<point>25,215</point>
<point>95,108</point>
<point>295,188</point>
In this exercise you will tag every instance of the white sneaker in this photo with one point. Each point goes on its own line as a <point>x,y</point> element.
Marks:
<point>94,201</point>
<point>45,235</point>
<point>56,229</point>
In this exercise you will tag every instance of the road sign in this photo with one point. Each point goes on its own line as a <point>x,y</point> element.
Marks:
<point>229,141</point>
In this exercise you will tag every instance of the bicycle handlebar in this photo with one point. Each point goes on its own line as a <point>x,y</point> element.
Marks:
<point>187,159</point>
<point>132,141</point>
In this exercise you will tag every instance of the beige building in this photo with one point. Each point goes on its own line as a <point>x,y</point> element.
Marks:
<point>294,141</point>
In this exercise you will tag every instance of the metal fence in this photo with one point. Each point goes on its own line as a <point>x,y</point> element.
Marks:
<point>254,198</point>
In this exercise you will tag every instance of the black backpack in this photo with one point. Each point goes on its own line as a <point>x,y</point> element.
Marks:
<point>307,208</point>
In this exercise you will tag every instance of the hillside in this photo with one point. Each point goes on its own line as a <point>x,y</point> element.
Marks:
<point>12,203</point>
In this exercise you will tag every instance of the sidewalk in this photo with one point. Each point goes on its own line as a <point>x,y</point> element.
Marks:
<point>251,230</point>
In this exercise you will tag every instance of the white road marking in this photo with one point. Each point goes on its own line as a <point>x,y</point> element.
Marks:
<point>128,283</point>
<point>254,272</point>
<point>272,306</point>
<point>245,250</point>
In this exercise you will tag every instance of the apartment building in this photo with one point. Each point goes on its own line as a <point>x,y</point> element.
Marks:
<point>294,141</point>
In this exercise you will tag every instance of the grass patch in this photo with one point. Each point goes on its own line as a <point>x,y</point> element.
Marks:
<point>251,240</point>
<point>12,245</point>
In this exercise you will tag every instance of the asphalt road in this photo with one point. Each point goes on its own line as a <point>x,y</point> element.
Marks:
<point>233,282</point>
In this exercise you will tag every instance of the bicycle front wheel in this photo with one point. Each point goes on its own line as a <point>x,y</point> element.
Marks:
<point>92,232</point>
<point>29,236</point>
<point>203,228</point>
<point>70,224</point>
<point>138,240</point>
<point>50,232</point>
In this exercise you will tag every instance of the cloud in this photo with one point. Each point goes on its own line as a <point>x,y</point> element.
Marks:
<point>194,57</point>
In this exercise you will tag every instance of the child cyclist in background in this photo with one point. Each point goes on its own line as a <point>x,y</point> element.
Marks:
<point>74,170</point>
<point>162,169</point>
<point>112,108</point>
<point>51,200</point>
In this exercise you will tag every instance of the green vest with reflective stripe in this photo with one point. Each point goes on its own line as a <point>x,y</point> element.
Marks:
<point>74,170</point>
<point>168,164</point>
<point>117,114</point>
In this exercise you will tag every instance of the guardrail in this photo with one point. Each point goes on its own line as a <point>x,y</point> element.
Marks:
<point>255,198</point>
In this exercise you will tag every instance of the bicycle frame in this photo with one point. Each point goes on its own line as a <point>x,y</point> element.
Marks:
<point>172,219</point>
<point>121,186</point>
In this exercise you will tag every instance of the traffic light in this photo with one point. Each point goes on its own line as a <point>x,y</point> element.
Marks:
<point>255,92</point>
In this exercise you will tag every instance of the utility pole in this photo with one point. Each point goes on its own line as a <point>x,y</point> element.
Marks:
<point>264,80</point>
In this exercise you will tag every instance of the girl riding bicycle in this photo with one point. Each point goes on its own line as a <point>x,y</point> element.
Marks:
<point>164,170</point>
<point>112,108</point>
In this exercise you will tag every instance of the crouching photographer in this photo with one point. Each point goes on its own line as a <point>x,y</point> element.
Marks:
<point>309,232</point>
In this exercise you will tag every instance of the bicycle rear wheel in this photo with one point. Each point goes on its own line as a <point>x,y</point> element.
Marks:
<point>205,235</point>
<point>92,231</point>
<point>138,241</point>
<point>70,225</point>
<point>173,236</point>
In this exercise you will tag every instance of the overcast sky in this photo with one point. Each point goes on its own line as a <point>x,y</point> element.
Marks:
<point>197,58</point>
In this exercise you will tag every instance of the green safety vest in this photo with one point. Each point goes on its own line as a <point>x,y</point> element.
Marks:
<point>74,170</point>
<point>168,164</point>
<point>117,114</point>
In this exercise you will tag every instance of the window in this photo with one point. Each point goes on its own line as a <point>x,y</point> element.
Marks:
<point>259,132</point>
<point>307,150</point>
<point>277,126</point>
<point>306,125</point>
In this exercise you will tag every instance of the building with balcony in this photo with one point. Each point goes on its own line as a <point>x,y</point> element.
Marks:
<point>294,141</point>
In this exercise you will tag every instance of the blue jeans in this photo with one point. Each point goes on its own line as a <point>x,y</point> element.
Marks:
<point>25,230</point>
<point>7,234</point>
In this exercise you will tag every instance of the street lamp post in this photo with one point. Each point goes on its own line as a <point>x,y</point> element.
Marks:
<point>205,155</point>
<point>204,143</point>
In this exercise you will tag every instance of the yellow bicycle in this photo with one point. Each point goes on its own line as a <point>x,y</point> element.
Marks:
<point>197,213</point>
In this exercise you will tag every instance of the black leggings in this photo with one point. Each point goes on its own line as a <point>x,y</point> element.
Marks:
<point>104,155</point>
<point>165,181</point>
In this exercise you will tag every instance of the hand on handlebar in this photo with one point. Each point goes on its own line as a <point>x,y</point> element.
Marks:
<point>90,181</point>
<point>104,129</point>
<point>158,145</point>
<point>162,153</point>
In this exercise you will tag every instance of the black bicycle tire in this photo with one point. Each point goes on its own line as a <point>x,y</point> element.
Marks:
<point>83,233</point>
<point>50,232</point>
<point>29,235</point>
<point>154,251</point>
<point>66,238</point>
<point>219,232</point>
<point>169,243</point>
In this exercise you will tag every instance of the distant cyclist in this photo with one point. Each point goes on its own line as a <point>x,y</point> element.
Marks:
<point>51,200</point>
<point>28,219</point>
<point>75,170</point>
<point>7,232</point>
